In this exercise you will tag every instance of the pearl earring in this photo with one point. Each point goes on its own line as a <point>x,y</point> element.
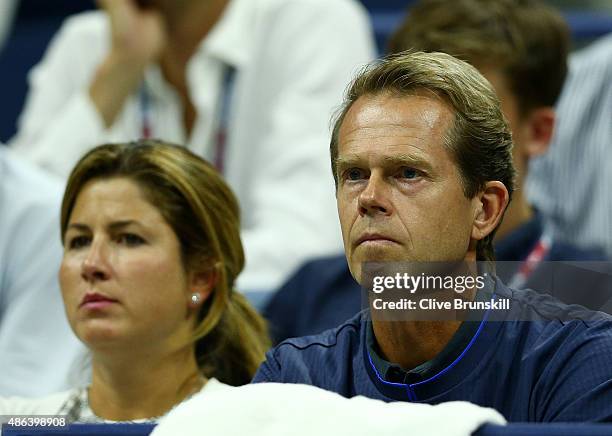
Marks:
<point>195,298</point>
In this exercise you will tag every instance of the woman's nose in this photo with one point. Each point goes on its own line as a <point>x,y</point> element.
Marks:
<point>95,264</point>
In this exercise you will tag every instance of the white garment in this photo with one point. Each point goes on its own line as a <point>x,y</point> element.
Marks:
<point>47,405</point>
<point>37,346</point>
<point>59,404</point>
<point>275,409</point>
<point>293,59</point>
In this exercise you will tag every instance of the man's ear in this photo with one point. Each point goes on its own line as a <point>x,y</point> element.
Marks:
<point>539,125</point>
<point>490,206</point>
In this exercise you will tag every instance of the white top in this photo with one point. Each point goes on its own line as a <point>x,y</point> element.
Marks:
<point>63,404</point>
<point>293,59</point>
<point>37,346</point>
<point>275,409</point>
<point>571,183</point>
<point>47,405</point>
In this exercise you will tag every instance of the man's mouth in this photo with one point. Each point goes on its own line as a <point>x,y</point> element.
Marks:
<point>374,238</point>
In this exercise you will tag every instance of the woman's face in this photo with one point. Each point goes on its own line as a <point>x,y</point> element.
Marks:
<point>122,278</point>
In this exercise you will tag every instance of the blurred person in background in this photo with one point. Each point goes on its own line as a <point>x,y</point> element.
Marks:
<point>37,347</point>
<point>521,47</point>
<point>247,84</point>
<point>571,184</point>
<point>32,319</point>
<point>151,254</point>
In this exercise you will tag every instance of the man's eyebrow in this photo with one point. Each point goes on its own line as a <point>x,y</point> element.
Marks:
<point>347,161</point>
<point>409,160</point>
<point>401,159</point>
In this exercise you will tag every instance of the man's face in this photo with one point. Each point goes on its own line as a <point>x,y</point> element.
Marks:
<point>400,196</point>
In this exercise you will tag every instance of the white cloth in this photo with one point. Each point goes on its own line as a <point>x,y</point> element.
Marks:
<point>293,59</point>
<point>571,183</point>
<point>37,346</point>
<point>275,409</point>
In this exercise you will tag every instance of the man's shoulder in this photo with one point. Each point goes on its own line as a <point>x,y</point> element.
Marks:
<point>347,332</point>
<point>319,272</point>
<point>541,322</point>
<point>324,360</point>
<point>530,305</point>
<point>563,352</point>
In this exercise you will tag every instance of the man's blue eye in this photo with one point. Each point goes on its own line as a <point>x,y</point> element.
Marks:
<point>409,173</point>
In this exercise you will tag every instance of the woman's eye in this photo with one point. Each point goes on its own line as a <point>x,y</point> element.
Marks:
<point>130,239</point>
<point>409,173</point>
<point>78,242</point>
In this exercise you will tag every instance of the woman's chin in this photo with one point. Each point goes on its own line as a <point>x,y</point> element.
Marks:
<point>100,335</point>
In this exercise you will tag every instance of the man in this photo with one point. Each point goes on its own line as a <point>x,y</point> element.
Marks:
<point>521,48</point>
<point>422,158</point>
<point>247,84</point>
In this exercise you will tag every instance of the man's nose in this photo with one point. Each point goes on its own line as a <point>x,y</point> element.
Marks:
<point>374,199</point>
<point>95,264</point>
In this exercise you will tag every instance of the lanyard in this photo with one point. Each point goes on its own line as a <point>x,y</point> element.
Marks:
<point>220,136</point>
<point>145,112</point>
<point>533,260</point>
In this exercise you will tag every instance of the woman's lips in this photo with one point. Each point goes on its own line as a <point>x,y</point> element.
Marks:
<point>96,301</point>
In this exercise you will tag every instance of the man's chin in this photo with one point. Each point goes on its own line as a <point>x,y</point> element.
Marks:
<point>382,256</point>
<point>356,264</point>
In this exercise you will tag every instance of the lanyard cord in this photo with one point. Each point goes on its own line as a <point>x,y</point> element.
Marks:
<point>145,112</point>
<point>220,137</point>
<point>532,261</point>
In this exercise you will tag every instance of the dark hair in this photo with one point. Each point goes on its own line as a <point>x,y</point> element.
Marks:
<point>230,337</point>
<point>479,139</point>
<point>526,40</point>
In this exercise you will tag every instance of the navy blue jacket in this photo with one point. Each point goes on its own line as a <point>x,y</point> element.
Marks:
<point>541,370</point>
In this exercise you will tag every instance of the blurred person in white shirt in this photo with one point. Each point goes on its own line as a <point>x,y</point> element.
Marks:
<point>247,84</point>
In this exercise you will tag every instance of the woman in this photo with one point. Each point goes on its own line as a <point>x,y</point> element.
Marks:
<point>151,253</point>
